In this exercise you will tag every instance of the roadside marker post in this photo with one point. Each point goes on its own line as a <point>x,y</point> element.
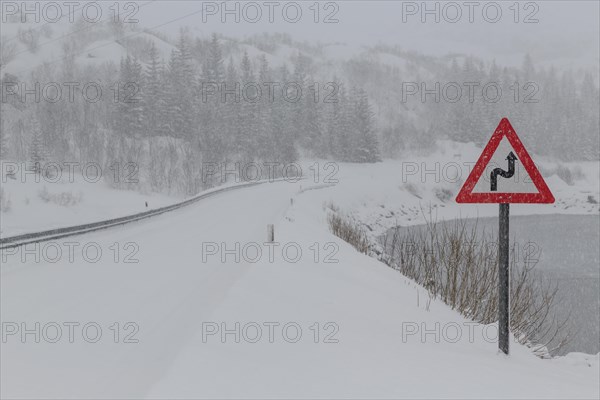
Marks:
<point>520,182</point>
<point>270,233</point>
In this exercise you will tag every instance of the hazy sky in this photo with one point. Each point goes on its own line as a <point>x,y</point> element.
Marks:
<point>563,33</point>
<point>558,32</point>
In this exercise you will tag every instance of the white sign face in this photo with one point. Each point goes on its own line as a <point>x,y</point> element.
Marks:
<point>505,171</point>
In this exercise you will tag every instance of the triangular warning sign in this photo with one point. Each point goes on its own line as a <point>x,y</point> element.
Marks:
<point>505,173</point>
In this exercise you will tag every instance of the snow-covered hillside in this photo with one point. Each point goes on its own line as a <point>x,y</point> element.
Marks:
<point>99,43</point>
<point>96,44</point>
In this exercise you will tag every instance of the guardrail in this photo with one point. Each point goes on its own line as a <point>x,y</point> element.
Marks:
<point>21,240</point>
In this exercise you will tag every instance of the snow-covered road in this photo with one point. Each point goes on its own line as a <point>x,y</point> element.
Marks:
<point>167,294</point>
<point>316,320</point>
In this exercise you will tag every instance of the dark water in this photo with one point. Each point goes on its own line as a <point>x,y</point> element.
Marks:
<point>568,249</point>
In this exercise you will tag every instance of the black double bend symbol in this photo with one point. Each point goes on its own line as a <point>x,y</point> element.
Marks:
<point>505,174</point>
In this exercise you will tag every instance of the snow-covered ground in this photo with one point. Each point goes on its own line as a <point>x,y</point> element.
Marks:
<point>362,323</point>
<point>419,187</point>
<point>30,206</point>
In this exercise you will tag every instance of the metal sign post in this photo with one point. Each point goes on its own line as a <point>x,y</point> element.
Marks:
<point>512,188</point>
<point>503,279</point>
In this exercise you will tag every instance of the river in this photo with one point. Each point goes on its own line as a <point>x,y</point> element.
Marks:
<point>569,253</point>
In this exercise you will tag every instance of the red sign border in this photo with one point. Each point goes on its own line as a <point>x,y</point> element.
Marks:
<point>505,129</point>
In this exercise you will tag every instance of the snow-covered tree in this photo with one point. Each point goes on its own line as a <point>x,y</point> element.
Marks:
<point>37,147</point>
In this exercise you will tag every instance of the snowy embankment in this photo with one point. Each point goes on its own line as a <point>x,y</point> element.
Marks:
<point>33,204</point>
<point>421,187</point>
<point>213,321</point>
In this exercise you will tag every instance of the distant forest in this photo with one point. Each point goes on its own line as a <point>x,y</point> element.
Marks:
<point>201,105</point>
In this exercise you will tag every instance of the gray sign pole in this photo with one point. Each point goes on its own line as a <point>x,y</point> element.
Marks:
<point>503,281</point>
